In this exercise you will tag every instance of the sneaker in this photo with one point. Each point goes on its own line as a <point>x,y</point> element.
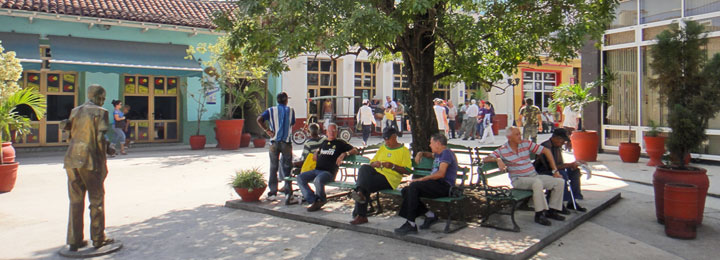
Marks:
<point>553,214</point>
<point>317,205</point>
<point>577,207</point>
<point>359,220</point>
<point>541,219</point>
<point>428,222</point>
<point>271,198</point>
<point>358,196</point>
<point>406,229</point>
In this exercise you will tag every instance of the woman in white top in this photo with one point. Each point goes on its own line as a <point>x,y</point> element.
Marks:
<point>366,120</point>
<point>452,115</point>
<point>441,116</point>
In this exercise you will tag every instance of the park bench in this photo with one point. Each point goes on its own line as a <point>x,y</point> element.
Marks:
<point>507,198</point>
<point>352,162</point>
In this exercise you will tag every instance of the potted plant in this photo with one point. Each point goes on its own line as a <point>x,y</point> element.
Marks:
<point>687,82</point>
<point>584,142</point>
<point>654,145</point>
<point>208,83</point>
<point>13,124</point>
<point>259,141</point>
<point>249,184</point>
<point>240,84</point>
<point>629,151</point>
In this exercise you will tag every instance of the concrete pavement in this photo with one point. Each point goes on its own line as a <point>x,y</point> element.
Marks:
<point>166,203</point>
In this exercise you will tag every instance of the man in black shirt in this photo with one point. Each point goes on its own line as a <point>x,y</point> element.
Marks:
<point>329,156</point>
<point>569,171</point>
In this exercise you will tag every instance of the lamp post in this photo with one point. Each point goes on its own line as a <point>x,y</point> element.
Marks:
<point>512,82</point>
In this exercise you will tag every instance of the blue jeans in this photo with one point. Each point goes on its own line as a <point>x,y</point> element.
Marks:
<point>319,178</point>
<point>276,149</point>
<point>119,135</point>
<point>366,129</point>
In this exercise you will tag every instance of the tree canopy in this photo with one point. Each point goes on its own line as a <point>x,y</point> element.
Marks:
<point>450,40</point>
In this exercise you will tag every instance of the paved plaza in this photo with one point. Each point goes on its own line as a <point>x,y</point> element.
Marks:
<point>167,202</point>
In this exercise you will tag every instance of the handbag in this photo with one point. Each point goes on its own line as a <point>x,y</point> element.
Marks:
<point>358,126</point>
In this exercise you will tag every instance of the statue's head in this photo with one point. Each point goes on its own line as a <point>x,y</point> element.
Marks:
<point>96,94</point>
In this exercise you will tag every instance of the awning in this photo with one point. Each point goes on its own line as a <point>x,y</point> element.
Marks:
<point>94,55</point>
<point>25,46</point>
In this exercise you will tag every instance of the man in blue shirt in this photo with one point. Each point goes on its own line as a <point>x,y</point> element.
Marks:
<point>280,118</point>
<point>435,185</point>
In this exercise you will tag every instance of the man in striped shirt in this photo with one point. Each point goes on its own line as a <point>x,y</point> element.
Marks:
<point>280,118</point>
<point>514,156</point>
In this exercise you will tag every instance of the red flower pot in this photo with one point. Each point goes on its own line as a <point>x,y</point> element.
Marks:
<point>259,142</point>
<point>585,145</point>
<point>681,209</point>
<point>250,196</point>
<point>655,148</point>
<point>197,142</point>
<point>245,140</point>
<point>8,152</point>
<point>229,132</point>
<point>629,152</point>
<point>694,176</point>
<point>8,175</point>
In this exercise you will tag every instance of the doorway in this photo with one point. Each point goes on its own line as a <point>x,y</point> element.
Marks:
<point>154,108</point>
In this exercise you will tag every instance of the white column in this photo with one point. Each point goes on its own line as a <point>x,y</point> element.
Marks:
<point>384,80</point>
<point>345,86</point>
<point>294,82</point>
<point>457,93</point>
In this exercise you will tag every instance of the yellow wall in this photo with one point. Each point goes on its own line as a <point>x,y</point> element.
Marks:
<point>565,70</point>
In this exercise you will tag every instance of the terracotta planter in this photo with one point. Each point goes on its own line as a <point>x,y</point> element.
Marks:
<point>245,140</point>
<point>694,176</point>
<point>655,148</point>
<point>680,210</point>
<point>197,142</point>
<point>585,145</point>
<point>629,152</point>
<point>8,175</point>
<point>229,133</point>
<point>8,152</point>
<point>250,196</point>
<point>259,142</point>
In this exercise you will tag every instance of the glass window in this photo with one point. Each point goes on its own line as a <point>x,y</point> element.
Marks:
<point>615,137</point>
<point>695,7</point>
<point>651,33</point>
<point>539,86</point>
<point>652,107</point>
<point>400,76</point>
<point>659,10</point>
<point>619,38</point>
<point>165,108</point>
<point>59,107</point>
<point>625,14</point>
<point>622,95</point>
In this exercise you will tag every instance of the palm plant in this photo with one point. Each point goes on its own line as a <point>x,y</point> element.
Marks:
<point>577,97</point>
<point>245,95</point>
<point>13,123</point>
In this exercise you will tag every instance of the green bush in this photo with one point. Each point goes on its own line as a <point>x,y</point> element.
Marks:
<point>654,131</point>
<point>248,178</point>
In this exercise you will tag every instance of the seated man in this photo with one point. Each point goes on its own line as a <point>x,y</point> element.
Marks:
<point>328,157</point>
<point>569,171</point>
<point>435,185</point>
<point>385,171</point>
<point>516,154</point>
<point>311,145</point>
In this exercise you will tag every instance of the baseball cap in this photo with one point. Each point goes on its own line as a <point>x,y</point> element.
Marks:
<point>561,132</point>
<point>365,101</point>
<point>388,132</point>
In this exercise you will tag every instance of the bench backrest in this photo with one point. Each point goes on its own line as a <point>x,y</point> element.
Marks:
<point>486,170</point>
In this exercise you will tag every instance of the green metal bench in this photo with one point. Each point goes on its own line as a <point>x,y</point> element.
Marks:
<point>508,198</point>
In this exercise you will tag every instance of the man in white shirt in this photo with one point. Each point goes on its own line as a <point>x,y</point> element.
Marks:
<point>452,115</point>
<point>472,114</point>
<point>366,120</point>
<point>569,121</point>
<point>441,116</point>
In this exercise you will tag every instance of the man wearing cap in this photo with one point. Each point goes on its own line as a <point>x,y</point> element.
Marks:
<point>514,156</point>
<point>366,120</point>
<point>569,171</point>
<point>385,171</point>
<point>472,115</point>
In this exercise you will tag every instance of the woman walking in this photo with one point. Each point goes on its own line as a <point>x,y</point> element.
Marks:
<point>119,125</point>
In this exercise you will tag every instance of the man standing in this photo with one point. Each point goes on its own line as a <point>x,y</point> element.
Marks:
<point>533,118</point>
<point>366,120</point>
<point>569,121</point>
<point>399,112</point>
<point>85,164</point>
<point>327,113</point>
<point>472,116</point>
<point>514,156</point>
<point>440,116</point>
<point>435,185</point>
<point>329,157</point>
<point>385,171</point>
<point>280,118</point>
<point>569,171</point>
<point>452,115</point>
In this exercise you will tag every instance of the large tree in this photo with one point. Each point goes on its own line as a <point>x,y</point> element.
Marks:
<point>450,40</point>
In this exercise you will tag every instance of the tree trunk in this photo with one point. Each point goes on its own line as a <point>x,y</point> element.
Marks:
<point>419,56</point>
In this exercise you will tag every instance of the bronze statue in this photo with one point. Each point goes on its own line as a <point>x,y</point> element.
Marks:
<point>85,163</point>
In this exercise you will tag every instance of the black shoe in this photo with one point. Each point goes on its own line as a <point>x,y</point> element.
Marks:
<point>406,229</point>
<point>465,139</point>
<point>428,222</point>
<point>553,214</point>
<point>542,220</point>
<point>577,207</point>
<point>472,138</point>
<point>564,211</point>
<point>290,200</point>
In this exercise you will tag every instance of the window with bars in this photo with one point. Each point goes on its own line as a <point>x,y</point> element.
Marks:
<point>538,86</point>
<point>321,81</point>
<point>365,84</point>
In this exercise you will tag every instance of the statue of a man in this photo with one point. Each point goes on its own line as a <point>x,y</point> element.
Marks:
<point>85,163</point>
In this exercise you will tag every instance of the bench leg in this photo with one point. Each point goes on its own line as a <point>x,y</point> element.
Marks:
<point>516,228</point>
<point>448,223</point>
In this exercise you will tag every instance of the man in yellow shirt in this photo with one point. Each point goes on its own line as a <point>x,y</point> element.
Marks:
<point>385,171</point>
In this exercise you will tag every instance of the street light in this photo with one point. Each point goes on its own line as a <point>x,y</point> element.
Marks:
<point>512,83</point>
<point>516,81</point>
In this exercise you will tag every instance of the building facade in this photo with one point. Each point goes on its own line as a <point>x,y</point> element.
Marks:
<point>633,104</point>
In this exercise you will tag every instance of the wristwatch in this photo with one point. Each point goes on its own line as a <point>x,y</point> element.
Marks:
<point>556,171</point>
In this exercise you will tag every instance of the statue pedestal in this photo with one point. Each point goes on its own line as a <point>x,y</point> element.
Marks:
<point>90,251</point>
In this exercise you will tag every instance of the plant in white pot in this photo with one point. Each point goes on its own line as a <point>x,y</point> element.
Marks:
<point>12,123</point>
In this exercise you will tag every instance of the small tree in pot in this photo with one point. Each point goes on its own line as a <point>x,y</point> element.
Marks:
<point>249,184</point>
<point>688,83</point>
